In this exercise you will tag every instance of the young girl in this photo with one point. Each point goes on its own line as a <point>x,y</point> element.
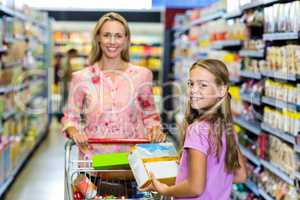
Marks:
<point>211,160</point>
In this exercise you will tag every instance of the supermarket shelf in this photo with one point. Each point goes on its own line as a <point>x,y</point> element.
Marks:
<point>208,18</point>
<point>234,14</point>
<point>281,36</point>
<point>250,156</point>
<point>8,11</point>
<point>279,75</point>
<point>234,79</point>
<point>252,53</point>
<point>2,49</point>
<point>253,75</point>
<point>8,115</point>
<point>6,89</point>
<point>250,126</point>
<point>13,64</point>
<point>297,148</point>
<point>281,134</point>
<point>265,195</point>
<point>259,3</point>
<point>12,88</point>
<point>4,186</point>
<point>251,98</point>
<point>297,175</point>
<point>280,104</point>
<point>225,44</point>
<point>277,171</point>
<point>252,186</point>
<point>255,4</point>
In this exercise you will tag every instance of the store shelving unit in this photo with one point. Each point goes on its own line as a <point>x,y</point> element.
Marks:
<point>279,133</point>
<point>252,53</point>
<point>250,156</point>
<point>281,36</point>
<point>8,181</point>
<point>233,14</point>
<point>15,87</point>
<point>259,101</point>
<point>226,44</point>
<point>265,195</point>
<point>278,171</point>
<point>280,104</point>
<point>253,127</point>
<point>279,75</point>
<point>205,19</point>
<point>253,75</point>
<point>251,98</point>
<point>253,187</point>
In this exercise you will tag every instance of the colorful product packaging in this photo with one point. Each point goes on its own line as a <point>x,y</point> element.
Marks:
<point>160,159</point>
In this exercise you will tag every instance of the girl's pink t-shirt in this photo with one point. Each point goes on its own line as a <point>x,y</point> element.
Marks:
<point>218,183</point>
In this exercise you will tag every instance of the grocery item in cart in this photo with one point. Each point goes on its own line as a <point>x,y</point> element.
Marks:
<point>110,161</point>
<point>85,186</point>
<point>160,159</point>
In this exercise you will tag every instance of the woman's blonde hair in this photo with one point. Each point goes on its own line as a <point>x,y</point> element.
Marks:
<point>96,51</point>
<point>218,116</point>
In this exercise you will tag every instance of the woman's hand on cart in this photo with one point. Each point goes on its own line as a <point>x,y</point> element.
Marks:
<point>79,138</point>
<point>156,135</point>
<point>156,186</point>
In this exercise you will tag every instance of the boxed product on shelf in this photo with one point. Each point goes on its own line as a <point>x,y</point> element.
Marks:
<point>282,17</point>
<point>222,30</point>
<point>277,188</point>
<point>253,44</point>
<point>252,87</point>
<point>253,65</point>
<point>283,59</point>
<point>236,103</point>
<point>283,120</point>
<point>282,154</point>
<point>282,91</point>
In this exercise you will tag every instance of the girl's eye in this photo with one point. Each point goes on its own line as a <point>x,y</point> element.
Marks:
<point>119,36</point>
<point>203,85</point>
<point>189,83</point>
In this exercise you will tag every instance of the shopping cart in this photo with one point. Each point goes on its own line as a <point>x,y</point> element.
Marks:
<point>119,182</point>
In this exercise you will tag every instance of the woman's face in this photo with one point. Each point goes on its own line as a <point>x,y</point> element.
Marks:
<point>202,89</point>
<point>112,39</point>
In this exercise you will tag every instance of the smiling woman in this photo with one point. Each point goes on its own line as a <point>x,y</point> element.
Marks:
<point>114,95</point>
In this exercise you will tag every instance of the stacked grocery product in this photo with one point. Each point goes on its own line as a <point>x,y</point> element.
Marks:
<point>24,55</point>
<point>259,42</point>
<point>64,41</point>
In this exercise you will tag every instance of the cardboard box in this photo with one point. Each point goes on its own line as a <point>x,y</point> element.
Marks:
<point>160,159</point>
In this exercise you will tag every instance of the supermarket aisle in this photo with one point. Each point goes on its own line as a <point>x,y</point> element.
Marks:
<point>42,178</point>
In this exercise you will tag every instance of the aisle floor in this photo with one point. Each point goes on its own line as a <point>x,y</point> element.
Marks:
<point>43,176</point>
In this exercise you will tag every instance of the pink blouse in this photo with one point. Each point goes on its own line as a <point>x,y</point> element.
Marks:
<point>105,108</point>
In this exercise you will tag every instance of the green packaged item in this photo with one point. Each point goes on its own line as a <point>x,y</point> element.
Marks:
<point>110,161</point>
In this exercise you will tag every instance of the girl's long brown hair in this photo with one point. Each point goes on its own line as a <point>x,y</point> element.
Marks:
<point>219,116</point>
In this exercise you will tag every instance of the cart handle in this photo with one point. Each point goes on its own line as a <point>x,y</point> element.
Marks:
<point>117,141</point>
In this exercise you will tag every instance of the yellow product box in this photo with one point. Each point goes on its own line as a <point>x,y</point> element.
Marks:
<point>159,158</point>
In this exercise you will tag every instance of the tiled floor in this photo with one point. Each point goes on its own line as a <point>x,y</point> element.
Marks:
<point>43,176</point>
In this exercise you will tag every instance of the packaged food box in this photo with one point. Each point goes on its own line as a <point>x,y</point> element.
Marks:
<point>160,159</point>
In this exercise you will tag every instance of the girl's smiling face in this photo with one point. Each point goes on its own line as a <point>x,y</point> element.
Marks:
<point>202,89</point>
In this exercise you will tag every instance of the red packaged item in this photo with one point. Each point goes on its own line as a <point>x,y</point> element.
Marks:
<point>85,186</point>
